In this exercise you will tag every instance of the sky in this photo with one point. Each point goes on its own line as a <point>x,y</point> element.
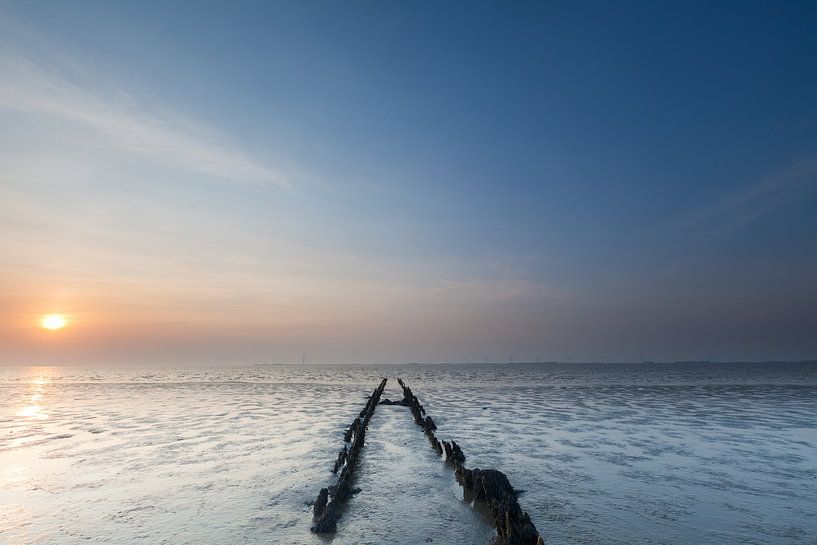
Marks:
<point>233,183</point>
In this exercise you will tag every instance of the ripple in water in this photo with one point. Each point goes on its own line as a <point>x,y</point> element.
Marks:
<point>688,454</point>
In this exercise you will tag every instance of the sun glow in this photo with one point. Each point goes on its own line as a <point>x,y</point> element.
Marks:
<point>53,321</point>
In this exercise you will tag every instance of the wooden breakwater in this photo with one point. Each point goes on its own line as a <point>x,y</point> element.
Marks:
<point>326,509</point>
<point>491,486</point>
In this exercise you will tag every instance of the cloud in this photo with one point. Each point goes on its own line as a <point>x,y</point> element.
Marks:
<point>752,202</point>
<point>125,121</point>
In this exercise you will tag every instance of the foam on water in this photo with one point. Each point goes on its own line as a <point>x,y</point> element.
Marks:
<point>703,454</point>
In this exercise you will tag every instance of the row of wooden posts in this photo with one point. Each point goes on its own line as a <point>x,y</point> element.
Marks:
<point>491,486</point>
<point>327,507</point>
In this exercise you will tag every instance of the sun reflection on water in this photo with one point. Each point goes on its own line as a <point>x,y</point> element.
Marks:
<point>32,411</point>
<point>37,389</point>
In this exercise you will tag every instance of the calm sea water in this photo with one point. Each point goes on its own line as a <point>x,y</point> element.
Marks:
<point>607,454</point>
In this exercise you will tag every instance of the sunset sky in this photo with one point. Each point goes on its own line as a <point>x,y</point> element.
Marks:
<point>232,183</point>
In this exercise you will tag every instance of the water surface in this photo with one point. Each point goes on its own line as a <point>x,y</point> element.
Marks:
<point>613,454</point>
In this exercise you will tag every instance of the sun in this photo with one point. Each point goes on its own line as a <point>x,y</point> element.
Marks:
<point>53,322</point>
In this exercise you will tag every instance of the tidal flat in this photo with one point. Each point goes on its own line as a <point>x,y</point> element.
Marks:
<point>605,454</point>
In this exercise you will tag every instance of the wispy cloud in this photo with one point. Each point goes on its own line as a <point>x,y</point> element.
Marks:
<point>124,120</point>
<point>752,202</point>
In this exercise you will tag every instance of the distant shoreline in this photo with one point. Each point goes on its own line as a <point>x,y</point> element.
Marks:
<point>528,363</point>
<point>644,364</point>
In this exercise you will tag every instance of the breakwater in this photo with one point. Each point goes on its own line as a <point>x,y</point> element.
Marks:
<point>327,507</point>
<point>491,486</point>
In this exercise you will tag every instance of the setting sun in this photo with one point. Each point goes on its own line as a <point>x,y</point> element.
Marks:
<point>53,321</point>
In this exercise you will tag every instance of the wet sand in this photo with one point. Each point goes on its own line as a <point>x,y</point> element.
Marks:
<point>408,494</point>
<point>614,454</point>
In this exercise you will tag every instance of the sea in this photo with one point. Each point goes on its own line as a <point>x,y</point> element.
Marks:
<point>687,453</point>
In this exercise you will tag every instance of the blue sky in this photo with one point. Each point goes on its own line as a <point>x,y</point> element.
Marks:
<point>241,182</point>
